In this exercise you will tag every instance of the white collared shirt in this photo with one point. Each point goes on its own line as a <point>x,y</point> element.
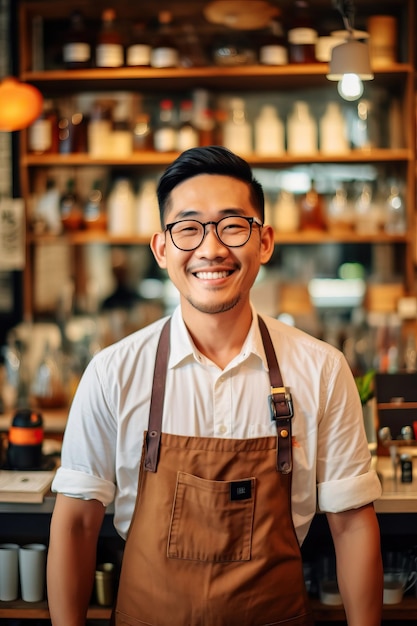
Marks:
<point>109,414</point>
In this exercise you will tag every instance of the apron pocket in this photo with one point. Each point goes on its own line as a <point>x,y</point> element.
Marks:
<point>211,520</point>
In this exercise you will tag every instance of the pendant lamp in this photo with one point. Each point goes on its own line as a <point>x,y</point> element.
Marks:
<point>20,104</point>
<point>350,61</point>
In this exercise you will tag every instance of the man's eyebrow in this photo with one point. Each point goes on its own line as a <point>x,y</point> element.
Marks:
<point>192,213</point>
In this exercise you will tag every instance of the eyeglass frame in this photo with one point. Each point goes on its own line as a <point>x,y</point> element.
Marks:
<point>251,221</point>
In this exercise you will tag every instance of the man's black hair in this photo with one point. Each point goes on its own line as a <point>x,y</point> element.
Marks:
<point>208,160</point>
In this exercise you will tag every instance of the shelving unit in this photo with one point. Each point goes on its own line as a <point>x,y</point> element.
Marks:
<point>399,79</point>
<point>56,82</point>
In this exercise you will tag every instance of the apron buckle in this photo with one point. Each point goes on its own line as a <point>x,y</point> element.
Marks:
<point>282,412</point>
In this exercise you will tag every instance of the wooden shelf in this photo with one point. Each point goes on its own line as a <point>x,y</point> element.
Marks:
<point>39,610</point>
<point>151,158</point>
<point>212,77</point>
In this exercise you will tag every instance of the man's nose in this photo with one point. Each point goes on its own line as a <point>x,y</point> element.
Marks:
<point>211,240</point>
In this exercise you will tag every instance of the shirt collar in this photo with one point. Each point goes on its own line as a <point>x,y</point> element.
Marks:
<point>183,348</point>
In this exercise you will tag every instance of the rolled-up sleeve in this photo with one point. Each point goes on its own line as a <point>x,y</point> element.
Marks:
<point>77,484</point>
<point>349,493</point>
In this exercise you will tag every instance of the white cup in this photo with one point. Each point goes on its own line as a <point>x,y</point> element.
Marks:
<point>32,567</point>
<point>9,571</point>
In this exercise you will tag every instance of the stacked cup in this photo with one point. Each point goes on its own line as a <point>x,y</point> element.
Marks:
<point>25,564</point>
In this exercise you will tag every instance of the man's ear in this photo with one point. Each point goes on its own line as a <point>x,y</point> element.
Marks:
<point>158,247</point>
<point>267,243</point>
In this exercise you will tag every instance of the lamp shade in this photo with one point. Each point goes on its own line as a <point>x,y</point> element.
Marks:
<point>350,57</point>
<point>20,104</point>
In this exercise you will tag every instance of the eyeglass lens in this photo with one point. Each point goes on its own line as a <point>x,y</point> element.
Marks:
<point>232,232</point>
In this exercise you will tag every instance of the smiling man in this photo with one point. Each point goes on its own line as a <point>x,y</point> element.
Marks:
<point>216,433</point>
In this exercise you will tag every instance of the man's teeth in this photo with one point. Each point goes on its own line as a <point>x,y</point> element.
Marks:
<point>212,275</point>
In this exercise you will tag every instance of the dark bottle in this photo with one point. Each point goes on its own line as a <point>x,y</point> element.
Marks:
<point>312,210</point>
<point>302,35</point>
<point>76,51</point>
<point>109,49</point>
<point>273,49</point>
<point>164,49</point>
<point>191,50</point>
<point>70,209</point>
<point>138,52</point>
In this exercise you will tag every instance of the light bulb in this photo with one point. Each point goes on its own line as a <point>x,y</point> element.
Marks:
<point>350,87</point>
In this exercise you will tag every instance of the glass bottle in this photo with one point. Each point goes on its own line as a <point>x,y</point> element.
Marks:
<point>187,136</point>
<point>147,209</point>
<point>109,49</point>
<point>301,130</point>
<point>237,133</point>
<point>43,133</point>
<point>70,208</point>
<point>333,132</point>
<point>367,216</point>
<point>269,132</point>
<point>76,51</point>
<point>94,214</point>
<point>395,214</point>
<point>138,52</point>
<point>142,133</point>
<point>273,50</point>
<point>165,50</point>
<point>47,215</point>
<point>302,35</point>
<point>165,132</point>
<point>312,210</point>
<point>121,208</point>
<point>191,50</point>
<point>286,213</point>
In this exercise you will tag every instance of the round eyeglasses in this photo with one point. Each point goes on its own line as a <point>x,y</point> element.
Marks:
<point>232,231</point>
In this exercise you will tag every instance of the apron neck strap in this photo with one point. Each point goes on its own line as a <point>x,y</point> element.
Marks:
<point>280,402</point>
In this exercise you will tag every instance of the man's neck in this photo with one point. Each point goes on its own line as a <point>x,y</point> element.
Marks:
<point>219,336</point>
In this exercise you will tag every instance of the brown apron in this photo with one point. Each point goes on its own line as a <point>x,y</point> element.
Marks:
<point>212,541</point>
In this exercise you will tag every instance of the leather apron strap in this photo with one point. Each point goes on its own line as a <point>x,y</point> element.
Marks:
<point>280,402</point>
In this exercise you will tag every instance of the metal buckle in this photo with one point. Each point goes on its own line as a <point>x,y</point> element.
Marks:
<point>273,402</point>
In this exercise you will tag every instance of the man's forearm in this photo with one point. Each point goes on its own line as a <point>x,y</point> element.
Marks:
<point>359,567</point>
<point>72,560</point>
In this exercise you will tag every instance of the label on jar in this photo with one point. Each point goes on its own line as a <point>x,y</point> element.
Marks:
<point>302,36</point>
<point>273,55</point>
<point>138,54</point>
<point>76,53</point>
<point>109,55</point>
<point>164,57</point>
<point>165,140</point>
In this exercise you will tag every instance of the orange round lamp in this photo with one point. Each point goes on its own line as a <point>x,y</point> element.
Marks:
<point>20,104</point>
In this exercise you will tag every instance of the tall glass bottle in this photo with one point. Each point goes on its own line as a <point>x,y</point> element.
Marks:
<point>43,133</point>
<point>109,49</point>
<point>165,132</point>
<point>76,51</point>
<point>302,35</point>
<point>70,208</point>
<point>165,50</point>
<point>138,52</point>
<point>312,210</point>
<point>187,136</point>
<point>237,133</point>
<point>273,49</point>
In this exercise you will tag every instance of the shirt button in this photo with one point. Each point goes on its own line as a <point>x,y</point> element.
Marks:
<point>223,429</point>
